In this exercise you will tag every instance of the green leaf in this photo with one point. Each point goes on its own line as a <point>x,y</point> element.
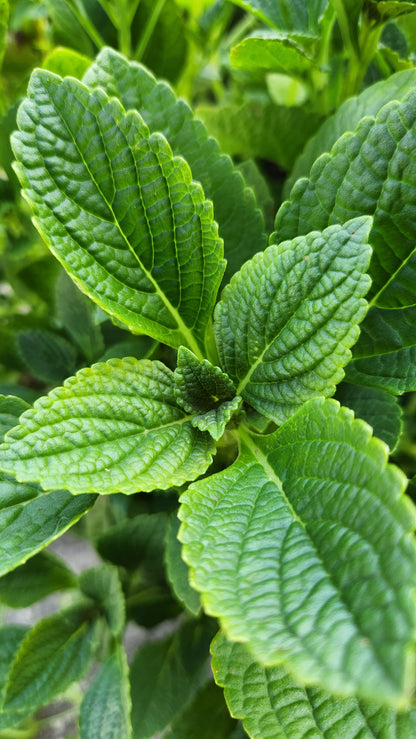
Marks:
<point>165,676</point>
<point>140,347</point>
<point>10,639</point>
<point>394,371</point>
<point>75,312</point>
<point>178,571</point>
<point>206,717</point>
<point>260,186</point>
<point>325,594</point>
<point>114,427</point>
<point>287,14</point>
<point>346,118</point>
<point>378,408</point>
<point>273,706</point>
<point>240,222</point>
<point>127,223</point>
<point>102,584</point>
<point>368,172</point>
<point>4,20</point>
<point>205,390</point>
<point>274,51</point>
<point>285,323</point>
<point>65,62</point>
<point>31,519</point>
<point>385,10</point>
<point>105,709</point>
<point>136,542</point>
<point>42,575</point>
<point>11,408</point>
<point>48,357</point>
<point>55,653</point>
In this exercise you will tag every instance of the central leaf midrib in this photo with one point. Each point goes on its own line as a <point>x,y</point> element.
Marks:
<point>185,331</point>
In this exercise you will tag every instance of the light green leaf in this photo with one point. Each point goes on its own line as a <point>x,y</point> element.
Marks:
<point>42,575</point>
<point>11,408</point>
<point>346,118</point>
<point>274,51</point>
<point>178,571</point>
<point>75,312</point>
<point>54,653</point>
<point>114,427</point>
<point>125,220</point>
<point>368,172</point>
<point>324,594</point>
<point>378,408</point>
<point>205,390</point>
<point>273,706</point>
<point>385,10</point>
<point>31,519</point>
<point>285,323</point>
<point>394,371</point>
<point>287,14</point>
<point>103,585</point>
<point>206,717</point>
<point>165,676</point>
<point>240,222</point>
<point>105,709</point>
<point>65,62</point>
<point>48,356</point>
<point>10,639</point>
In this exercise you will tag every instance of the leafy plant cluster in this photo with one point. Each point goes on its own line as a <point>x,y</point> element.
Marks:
<point>217,410</point>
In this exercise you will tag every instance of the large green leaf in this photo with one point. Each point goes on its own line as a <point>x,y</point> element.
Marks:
<point>377,407</point>
<point>118,210</point>
<point>304,549</point>
<point>53,654</point>
<point>114,427</point>
<point>346,118</point>
<point>273,706</point>
<point>287,14</point>
<point>31,519</point>
<point>240,222</point>
<point>105,709</point>
<point>285,323</point>
<point>165,676</point>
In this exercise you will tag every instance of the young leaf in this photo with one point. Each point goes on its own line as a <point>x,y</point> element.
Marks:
<point>285,323</point>
<point>114,427</point>
<point>165,675</point>
<point>75,312</point>
<point>103,585</point>
<point>240,222</point>
<point>48,357</point>
<point>31,519</point>
<point>378,408</point>
<point>325,594</point>
<point>42,575</point>
<point>273,706</point>
<point>105,709</point>
<point>11,408</point>
<point>54,653</point>
<point>178,571</point>
<point>205,390</point>
<point>66,62</point>
<point>126,220</point>
<point>274,51</point>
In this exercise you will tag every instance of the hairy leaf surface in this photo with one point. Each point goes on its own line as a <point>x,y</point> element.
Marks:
<point>105,709</point>
<point>273,706</point>
<point>114,427</point>
<point>240,222</point>
<point>286,322</point>
<point>283,550</point>
<point>118,210</point>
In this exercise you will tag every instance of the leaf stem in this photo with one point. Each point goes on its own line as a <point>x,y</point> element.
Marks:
<point>148,30</point>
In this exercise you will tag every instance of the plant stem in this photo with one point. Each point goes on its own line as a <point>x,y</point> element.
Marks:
<point>148,30</point>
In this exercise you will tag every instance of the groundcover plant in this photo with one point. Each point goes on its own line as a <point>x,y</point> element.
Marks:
<point>276,528</point>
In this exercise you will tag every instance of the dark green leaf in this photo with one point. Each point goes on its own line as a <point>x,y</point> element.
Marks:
<point>135,542</point>
<point>11,408</point>
<point>10,639</point>
<point>394,371</point>
<point>105,709</point>
<point>75,311</point>
<point>378,408</point>
<point>48,356</point>
<point>287,14</point>
<point>325,593</point>
<point>206,717</point>
<point>42,575</point>
<point>103,585</point>
<point>178,571</point>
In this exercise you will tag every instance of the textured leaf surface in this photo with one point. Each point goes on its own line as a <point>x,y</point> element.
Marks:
<point>273,51</point>
<point>287,14</point>
<point>377,407</point>
<point>11,408</point>
<point>205,390</point>
<point>42,575</point>
<point>240,222</point>
<point>273,706</point>
<point>118,210</point>
<point>31,519</point>
<point>52,655</point>
<point>105,709</point>
<point>178,571</point>
<point>368,172</point>
<point>395,371</point>
<point>346,118</point>
<point>103,585</point>
<point>285,323</point>
<point>114,427</point>
<point>283,549</point>
<point>165,675</point>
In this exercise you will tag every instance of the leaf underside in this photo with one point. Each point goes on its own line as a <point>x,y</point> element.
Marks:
<point>325,594</point>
